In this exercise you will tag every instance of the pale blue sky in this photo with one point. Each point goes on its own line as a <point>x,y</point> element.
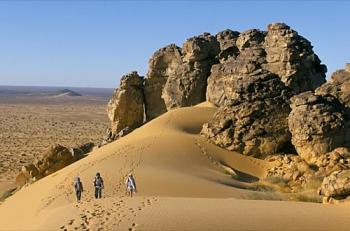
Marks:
<point>93,43</point>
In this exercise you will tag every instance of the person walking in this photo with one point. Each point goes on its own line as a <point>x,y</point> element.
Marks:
<point>98,184</point>
<point>78,187</point>
<point>130,184</point>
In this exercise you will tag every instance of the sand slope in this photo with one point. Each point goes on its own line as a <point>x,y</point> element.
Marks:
<point>182,185</point>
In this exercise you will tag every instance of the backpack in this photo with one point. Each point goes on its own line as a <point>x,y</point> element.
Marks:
<point>98,182</point>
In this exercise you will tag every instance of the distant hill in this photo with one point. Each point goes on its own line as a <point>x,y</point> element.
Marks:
<point>66,92</point>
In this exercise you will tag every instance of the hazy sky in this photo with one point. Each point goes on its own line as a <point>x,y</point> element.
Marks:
<point>93,43</point>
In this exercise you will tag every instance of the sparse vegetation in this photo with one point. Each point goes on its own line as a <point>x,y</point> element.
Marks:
<point>33,124</point>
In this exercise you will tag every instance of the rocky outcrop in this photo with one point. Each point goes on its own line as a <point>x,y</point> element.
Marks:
<point>254,121</point>
<point>280,50</point>
<point>250,75</point>
<point>336,185</point>
<point>338,86</point>
<point>318,125</point>
<point>227,40</point>
<point>53,159</point>
<point>291,168</point>
<point>291,57</point>
<point>126,107</point>
<point>162,64</point>
<point>252,118</point>
<point>247,56</point>
<point>187,86</point>
<point>336,160</point>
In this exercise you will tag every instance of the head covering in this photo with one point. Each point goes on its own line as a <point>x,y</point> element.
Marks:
<point>98,174</point>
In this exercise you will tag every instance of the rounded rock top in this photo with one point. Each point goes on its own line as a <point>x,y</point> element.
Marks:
<point>347,67</point>
<point>278,26</point>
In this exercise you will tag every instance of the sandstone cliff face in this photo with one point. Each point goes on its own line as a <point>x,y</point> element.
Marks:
<point>318,125</point>
<point>162,64</point>
<point>338,86</point>
<point>187,86</point>
<point>126,107</point>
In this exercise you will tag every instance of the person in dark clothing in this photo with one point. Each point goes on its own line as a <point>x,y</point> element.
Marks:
<point>78,187</point>
<point>98,184</point>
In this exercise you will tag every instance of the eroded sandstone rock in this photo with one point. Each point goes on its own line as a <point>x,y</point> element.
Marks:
<point>338,86</point>
<point>254,122</point>
<point>126,107</point>
<point>247,57</point>
<point>228,48</point>
<point>291,57</point>
<point>187,86</point>
<point>318,125</point>
<point>336,185</point>
<point>280,50</point>
<point>290,168</point>
<point>162,64</point>
<point>53,159</point>
<point>337,159</point>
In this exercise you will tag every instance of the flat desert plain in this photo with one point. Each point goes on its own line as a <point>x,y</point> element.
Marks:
<point>33,118</point>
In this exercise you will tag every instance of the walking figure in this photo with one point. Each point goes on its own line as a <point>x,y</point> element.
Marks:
<point>98,184</point>
<point>130,184</point>
<point>78,187</point>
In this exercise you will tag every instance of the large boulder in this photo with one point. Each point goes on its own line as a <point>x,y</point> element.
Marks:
<point>187,86</point>
<point>126,107</point>
<point>162,64</point>
<point>254,120</point>
<point>291,57</point>
<point>318,125</point>
<point>336,185</point>
<point>338,86</point>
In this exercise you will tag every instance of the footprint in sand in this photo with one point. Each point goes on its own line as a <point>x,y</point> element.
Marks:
<point>71,222</point>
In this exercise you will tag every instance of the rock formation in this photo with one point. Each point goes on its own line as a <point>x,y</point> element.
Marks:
<point>247,56</point>
<point>291,57</point>
<point>227,40</point>
<point>187,86</point>
<point>254,121</point>
<point>338,86</point>
<point>318,125</point>
<point>290,168</point>
<point>280,50</point>
<point>251,76</point>
<point>126,107</point>
<point>53,159</point>
<point>162,64</point>
<point>336,185</point>
<point>336,160</point>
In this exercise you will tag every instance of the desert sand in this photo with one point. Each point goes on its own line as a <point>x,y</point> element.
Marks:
<point>184,183</point>
<point>31,121</point>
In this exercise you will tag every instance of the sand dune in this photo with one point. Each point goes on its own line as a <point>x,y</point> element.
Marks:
<point>183,184</point>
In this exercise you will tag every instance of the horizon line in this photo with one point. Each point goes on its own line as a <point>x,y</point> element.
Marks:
<point>56,86</point>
